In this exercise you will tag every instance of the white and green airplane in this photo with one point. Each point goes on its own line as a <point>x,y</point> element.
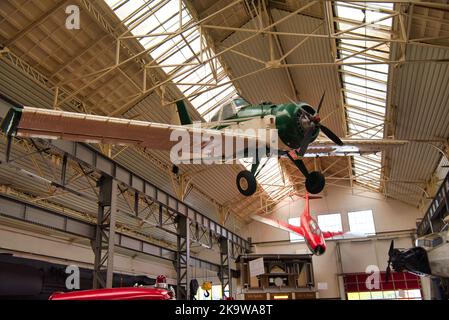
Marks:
<point>297,126</point>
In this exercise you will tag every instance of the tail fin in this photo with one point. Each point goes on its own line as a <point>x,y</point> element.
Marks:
<point>12,117</point>
<point>184,117</point>
<point>306,208</point>
<point>11,121</point>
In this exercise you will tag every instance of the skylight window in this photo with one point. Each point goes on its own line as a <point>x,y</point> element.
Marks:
<point>182,55</point>
<point>365,85</point>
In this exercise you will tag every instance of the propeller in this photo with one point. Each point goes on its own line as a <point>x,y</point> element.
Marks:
<point>320,104</point>
<point>305,141</point>
<point>331,135</point>
<point>316,119</point>
<point>390,254</point>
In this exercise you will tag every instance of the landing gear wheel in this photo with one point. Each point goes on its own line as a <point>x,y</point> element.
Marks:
<point>315,182</point>
<point>246,183</point>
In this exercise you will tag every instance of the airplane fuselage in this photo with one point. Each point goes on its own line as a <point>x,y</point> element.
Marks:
<point>312,235</point>
<point>287,119</point>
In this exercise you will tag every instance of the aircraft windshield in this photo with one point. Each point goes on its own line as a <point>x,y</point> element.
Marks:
<point>314,227</point>
<point>226,111</point>
<point>240,102</point>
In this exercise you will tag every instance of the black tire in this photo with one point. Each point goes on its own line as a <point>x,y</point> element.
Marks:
<point>315,182</point>
<point>246,183</point>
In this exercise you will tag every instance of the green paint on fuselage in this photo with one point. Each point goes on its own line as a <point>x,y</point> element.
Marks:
<point>290,131</point>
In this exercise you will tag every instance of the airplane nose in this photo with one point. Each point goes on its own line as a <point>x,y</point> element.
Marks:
<point>319,250</point>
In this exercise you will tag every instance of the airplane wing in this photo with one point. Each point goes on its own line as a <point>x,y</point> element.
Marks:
<point>278,224</point>
<point>342,235</point>
<point>31,122</point>
<point>213,144</point>
<point>330,234</point>
<point>321,147</point>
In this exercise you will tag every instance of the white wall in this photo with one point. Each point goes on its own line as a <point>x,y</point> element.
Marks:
<point>69,251</point>
<point>389,216</point>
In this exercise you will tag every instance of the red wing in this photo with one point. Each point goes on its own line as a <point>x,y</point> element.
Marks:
<point>330,234</point>
<point>279,224</point>
<point>343,235</point>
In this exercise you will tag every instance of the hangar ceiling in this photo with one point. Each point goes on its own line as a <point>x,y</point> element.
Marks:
<point>383,67</point>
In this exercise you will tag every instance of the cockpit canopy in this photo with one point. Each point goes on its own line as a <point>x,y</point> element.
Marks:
<point>229,109</point>
<point>314,227</point>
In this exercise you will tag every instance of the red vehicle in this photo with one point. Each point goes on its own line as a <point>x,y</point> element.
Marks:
<point>308,229</point>
<point>159,292</point>
<point>138,293</point>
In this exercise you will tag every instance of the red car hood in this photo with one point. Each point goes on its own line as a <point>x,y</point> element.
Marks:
<point>132,293</point>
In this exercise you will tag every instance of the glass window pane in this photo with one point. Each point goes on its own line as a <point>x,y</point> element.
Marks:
<point>330,222</point>
<point>362,222</point>
<point>293,236</point>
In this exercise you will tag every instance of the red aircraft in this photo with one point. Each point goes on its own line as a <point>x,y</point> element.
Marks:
<point>308,229</point>
<point>160,291</point>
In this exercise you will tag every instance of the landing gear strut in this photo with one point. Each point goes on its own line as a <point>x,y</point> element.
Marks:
<point>314,180</point>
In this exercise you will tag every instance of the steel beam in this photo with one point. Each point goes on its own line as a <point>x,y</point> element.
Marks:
<point>157,213</point>
<point>104,242</point>
<point>433,212</point>
<point>225,266</point>
<point>182,264</point>
<point>87,155</point>
<point>26,212</point>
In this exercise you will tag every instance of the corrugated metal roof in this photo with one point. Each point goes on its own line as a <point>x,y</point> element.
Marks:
<point>270,85</point>
<point>421,97</point>
<point>312,82</point>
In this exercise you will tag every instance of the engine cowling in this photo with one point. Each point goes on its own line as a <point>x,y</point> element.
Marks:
<point>291,124</point>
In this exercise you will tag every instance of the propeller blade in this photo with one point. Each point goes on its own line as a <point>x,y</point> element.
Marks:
<point>305,141</point>
<point>320,104</point>
<point>391,250</point>
<point>387,273</point>
<point>390,254</point>
<point>331,135</point>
